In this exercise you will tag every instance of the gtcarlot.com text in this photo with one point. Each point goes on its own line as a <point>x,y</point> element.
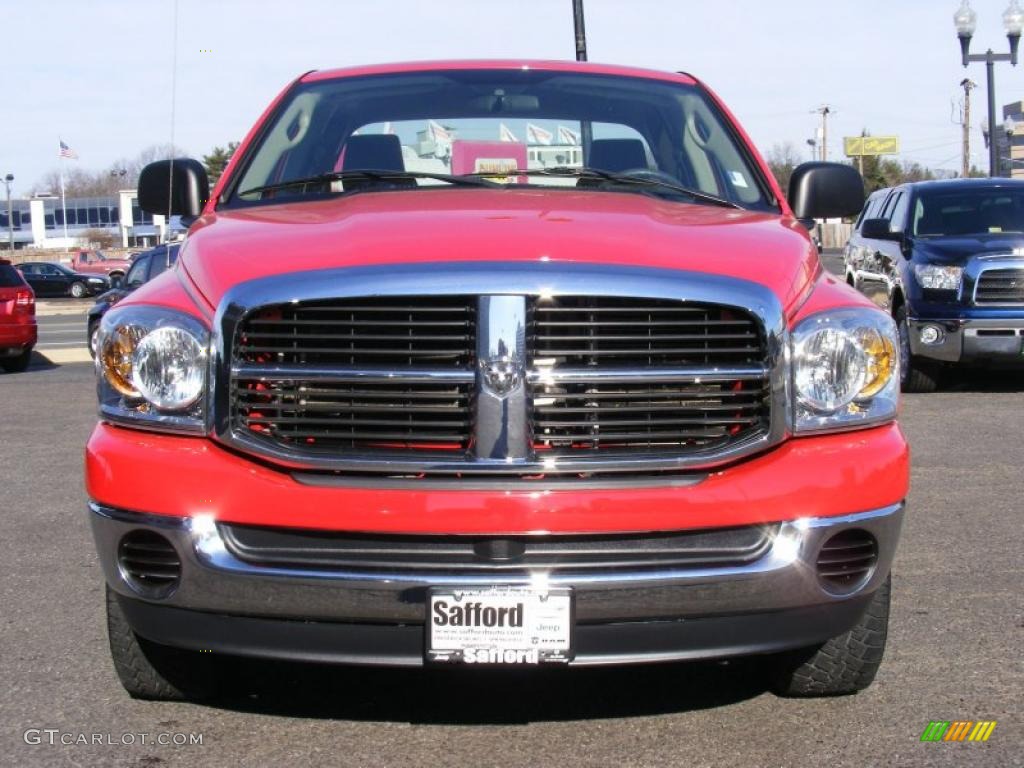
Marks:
<point>55,736</point>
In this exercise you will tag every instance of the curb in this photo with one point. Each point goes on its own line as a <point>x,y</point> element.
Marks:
<point>59,356</point>
<point>51,311</point>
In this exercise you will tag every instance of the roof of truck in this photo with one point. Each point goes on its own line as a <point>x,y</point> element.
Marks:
<point>552,66</point>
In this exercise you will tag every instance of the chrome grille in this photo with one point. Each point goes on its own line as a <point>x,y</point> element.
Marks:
<point>575,412</point>
<point>500,370</point>
<point>1000,286</point>
<point>352,375</point>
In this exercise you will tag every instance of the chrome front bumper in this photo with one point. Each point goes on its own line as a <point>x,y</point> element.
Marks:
<point>991,340</point>
<point>214,581</point>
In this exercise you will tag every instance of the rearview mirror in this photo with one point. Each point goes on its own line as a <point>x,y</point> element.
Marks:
<point>178,187</point>
<point>825,191</point>
<point>878,229</point>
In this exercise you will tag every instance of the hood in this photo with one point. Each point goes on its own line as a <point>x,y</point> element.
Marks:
<point>444,224</point>
<point>959,249</point>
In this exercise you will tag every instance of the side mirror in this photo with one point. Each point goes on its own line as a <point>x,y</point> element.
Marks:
<point>177,186</point>
<point>825,191</point>
<point>878,229</point>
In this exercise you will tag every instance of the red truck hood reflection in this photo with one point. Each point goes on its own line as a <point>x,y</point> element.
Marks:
<point>445,224</point>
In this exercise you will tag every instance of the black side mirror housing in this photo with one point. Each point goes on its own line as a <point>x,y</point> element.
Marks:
<point>878,229</point>
<point>177,186</point>
<point>825,191</point>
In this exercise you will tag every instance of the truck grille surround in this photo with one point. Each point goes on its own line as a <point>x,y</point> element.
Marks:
<point>523,385</point>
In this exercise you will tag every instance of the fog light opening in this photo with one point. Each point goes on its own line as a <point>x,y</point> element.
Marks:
<point>847,561</point>
<point>931,335</point>
<point>149,563</point>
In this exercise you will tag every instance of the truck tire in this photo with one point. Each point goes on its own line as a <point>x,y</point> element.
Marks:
<point>17,364</point>
<point>843,665</point>
<point>78,290</point>
<point>94,328</point>
<point>915,374</point>
<point>156,672</point>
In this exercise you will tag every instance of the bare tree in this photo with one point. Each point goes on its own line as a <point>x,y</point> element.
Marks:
<point>121,174</point>
<point>101,238</point>
<point>783,159</point>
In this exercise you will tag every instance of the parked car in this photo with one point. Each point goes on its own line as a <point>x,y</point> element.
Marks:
<point>609,413</point>
<point>946,258</point>
<point>18,331</point>
<point>49,279</point>
<point>145,266</point>
<point>97,263</point>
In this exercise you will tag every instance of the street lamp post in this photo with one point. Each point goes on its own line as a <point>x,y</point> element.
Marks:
<point>966,21</point>
<point>10,212</point>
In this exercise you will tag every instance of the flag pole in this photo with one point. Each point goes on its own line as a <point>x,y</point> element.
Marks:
<point>63,202</point>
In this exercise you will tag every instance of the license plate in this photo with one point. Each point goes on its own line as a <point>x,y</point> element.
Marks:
<point>499,625</point>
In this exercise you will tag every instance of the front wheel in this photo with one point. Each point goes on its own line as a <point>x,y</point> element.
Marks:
<point>148,670</point>
<point>17,364</point>
<point>915,375</point>
<point>843,665</point>
<point>78,290</point>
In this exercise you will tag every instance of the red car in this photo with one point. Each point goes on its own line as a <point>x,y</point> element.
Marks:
<point>18,330</point>
<point>607,409</point>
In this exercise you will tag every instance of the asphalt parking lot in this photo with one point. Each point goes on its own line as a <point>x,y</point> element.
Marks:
<point>955,647</point>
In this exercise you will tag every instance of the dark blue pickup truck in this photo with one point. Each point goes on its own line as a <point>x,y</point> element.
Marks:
<point>947,259</point>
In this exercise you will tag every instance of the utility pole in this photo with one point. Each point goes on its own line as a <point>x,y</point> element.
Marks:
<point>824,110</point>
<point>967,85</point>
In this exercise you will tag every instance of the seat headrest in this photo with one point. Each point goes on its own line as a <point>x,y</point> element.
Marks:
<point>373,152</point>
<point>617,155</point>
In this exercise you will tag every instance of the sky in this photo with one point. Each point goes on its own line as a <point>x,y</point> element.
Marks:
<point>99,74</point>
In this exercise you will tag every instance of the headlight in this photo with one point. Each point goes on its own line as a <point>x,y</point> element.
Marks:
<point>97,280</point>
<point>153,365</point>
<point>845,370</point>
<point>937,277</point>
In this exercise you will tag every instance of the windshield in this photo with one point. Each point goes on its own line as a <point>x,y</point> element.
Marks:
<point>495,122</point>
<point>9,277</point>
<point>969,212</point>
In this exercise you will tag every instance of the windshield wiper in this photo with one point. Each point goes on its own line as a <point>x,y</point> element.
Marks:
<point>566,171</point>
<point>371,175</point>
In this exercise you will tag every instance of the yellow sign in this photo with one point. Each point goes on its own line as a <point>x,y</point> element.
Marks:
<point>856,146</point>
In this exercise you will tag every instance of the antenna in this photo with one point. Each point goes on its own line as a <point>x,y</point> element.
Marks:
<point>174,94</point>
<point>580,30</point>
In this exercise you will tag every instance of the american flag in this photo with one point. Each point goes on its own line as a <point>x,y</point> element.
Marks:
<point>68,152</point>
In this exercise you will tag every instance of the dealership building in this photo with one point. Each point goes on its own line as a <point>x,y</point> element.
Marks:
<point>1011,146</point>
<point>39,221</point>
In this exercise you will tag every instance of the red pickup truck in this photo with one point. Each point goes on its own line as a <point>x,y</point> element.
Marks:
<point>96,263</point>
<point>386,413</point>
